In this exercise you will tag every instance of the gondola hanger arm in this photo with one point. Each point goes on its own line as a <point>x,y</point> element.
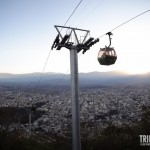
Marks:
<point>109,34</point>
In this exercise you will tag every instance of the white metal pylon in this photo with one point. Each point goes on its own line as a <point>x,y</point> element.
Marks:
<point>74,47</point>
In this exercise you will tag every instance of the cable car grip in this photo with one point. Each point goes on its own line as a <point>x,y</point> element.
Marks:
<point>109,34</point>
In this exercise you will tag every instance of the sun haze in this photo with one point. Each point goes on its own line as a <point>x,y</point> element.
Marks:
<point>27,33</point>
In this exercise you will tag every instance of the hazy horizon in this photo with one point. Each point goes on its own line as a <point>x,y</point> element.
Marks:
<point>113,71</point>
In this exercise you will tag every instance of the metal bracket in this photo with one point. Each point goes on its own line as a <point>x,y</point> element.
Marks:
<point>68,44</point>
<point>109,34</point>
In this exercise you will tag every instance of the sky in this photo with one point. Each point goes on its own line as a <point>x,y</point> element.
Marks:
<point>27,33</point>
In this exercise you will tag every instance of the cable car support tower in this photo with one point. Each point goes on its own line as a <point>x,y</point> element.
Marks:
<point>74,47</point>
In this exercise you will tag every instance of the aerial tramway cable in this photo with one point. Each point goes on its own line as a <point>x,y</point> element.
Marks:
<point>126,22</point>
<point>41,76</point>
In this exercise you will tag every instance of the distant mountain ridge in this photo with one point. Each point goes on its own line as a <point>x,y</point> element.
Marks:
<point>85,79</point>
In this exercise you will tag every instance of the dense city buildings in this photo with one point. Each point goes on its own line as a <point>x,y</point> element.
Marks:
<point>98,106</point>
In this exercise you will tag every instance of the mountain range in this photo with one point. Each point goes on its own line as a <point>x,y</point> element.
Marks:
<point>85,79</point>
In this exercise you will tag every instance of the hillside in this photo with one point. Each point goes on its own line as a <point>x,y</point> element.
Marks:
<point>85,79</point>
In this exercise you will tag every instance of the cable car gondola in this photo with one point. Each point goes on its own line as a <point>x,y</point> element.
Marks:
<point>107,56</point>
